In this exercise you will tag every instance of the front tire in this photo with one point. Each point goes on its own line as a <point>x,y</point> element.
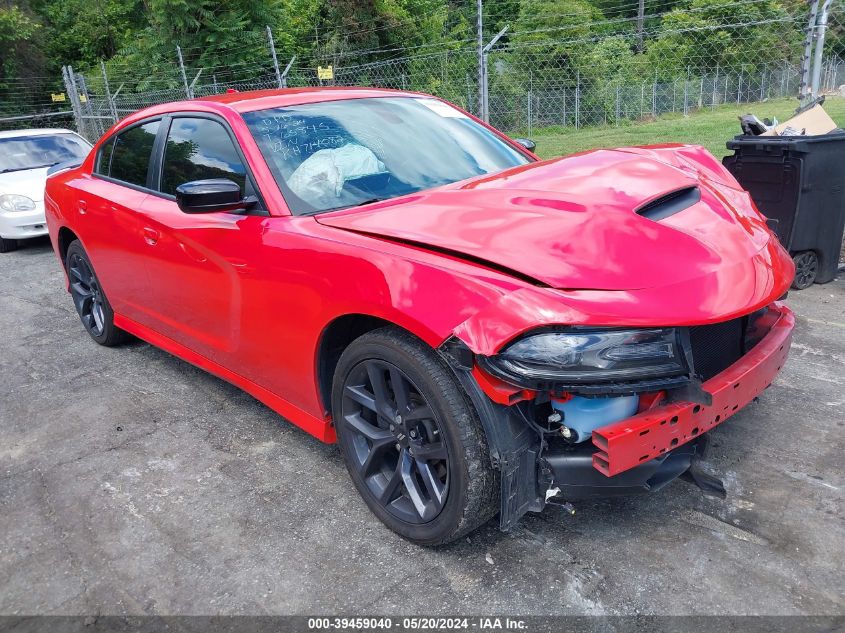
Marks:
<point>90,299</point>
<point>412,442</point>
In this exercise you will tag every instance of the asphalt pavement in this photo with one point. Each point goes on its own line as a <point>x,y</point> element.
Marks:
<point>133,483</point>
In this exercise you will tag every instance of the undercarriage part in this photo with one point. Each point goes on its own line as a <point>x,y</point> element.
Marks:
<point>708,483</point>
<point>573,472</point>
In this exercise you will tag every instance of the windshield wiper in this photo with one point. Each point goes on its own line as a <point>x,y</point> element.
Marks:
<point>368,201</point>
<point>10,169</point>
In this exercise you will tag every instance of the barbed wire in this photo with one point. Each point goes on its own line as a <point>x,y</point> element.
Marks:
<point>590,72</point>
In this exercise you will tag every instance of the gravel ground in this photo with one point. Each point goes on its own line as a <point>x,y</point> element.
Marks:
<point>133,483</point>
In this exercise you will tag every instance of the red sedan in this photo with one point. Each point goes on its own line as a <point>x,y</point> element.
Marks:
<point>479,330</point>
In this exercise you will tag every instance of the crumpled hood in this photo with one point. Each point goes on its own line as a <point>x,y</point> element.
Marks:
<point>26,182</point>
<point>571,223</point>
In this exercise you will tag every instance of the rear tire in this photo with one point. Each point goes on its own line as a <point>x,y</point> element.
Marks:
<point>90,299</point>
<point>412,442</point>
<point>806,269</point>
<point>7,245</point>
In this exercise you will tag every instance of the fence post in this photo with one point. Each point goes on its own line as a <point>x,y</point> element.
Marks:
<point>642,99</point>
<point>819,52</point>
<point>762,84</point>
<point>70,87</point>
<point>182,70</point>
<point>479,40</point>
<point>112,108</point>
<point>739,87</point>
<point>286,71</point>
<point>715,96</point>
<point>674,91</point>
<point>485,94</point>
<point>782,92</point>
<point>686,93</point>
<point>95,123</point>
<point>272,45</point>
<point>806,58</point>
<point>654,97</point>
<point>617,105</point>
<point>530,97</point>
<point>577,99</point>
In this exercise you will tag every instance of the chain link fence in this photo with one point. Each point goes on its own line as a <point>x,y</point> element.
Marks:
<point>543,78</point>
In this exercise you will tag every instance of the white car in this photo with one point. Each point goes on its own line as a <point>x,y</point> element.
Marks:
<point>25,158</point>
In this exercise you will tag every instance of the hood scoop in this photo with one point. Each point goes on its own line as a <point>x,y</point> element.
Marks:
<point>670,204</point>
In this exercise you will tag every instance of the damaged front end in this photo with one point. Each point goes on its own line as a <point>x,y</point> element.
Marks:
<point>579,412</point>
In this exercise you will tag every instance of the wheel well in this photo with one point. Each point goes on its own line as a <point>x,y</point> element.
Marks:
<point>66,236</point>
<point>336,337</point>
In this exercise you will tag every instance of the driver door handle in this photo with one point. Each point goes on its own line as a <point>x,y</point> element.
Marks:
<point>151,236</point>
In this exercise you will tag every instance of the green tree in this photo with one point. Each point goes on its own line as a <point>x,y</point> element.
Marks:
<point>699,34</point>
<point>81,32</point>
<point>17,29</point>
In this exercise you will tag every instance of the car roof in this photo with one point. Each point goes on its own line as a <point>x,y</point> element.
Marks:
<point>253,100</point>
<point>52,131</point>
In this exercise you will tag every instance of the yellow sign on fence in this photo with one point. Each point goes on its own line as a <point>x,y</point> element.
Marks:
<point>325,74</point>
<point>58,97</point>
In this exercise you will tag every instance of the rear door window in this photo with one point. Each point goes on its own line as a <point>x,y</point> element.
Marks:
<point>199,149</point>
<point>127,158</point>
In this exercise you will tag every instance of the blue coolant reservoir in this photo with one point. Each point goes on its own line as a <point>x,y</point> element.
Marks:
<point>584,415</point>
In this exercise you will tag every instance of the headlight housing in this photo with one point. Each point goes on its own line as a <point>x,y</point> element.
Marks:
<point>582,357</point>
<point>14,202</point>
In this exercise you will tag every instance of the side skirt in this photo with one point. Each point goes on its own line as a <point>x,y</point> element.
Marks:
<point>321,428</point>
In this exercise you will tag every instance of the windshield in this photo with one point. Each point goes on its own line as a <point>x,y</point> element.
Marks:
<point>345,153</point>
<point>31,152</point>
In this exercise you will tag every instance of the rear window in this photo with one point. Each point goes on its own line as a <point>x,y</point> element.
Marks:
<point>127,156</point>
<point>33,152</point>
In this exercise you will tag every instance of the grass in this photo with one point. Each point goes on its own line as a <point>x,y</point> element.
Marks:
<point>710,128</point>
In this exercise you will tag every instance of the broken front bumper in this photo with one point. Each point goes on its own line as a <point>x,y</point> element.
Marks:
<point>642,453</point>
<point>646,436</point>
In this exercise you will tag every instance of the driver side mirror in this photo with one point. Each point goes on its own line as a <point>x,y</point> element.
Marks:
<point>213,195</point>
<point>527,143</point>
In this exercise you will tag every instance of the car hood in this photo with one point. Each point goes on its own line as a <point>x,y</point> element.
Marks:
<point>26,182</point>
<point>572,222</point>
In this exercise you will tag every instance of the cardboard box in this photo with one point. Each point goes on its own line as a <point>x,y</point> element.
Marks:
<point>814,121</point>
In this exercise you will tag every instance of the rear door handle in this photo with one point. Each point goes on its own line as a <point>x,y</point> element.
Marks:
<point>151,236</point>
<point>83,207</point>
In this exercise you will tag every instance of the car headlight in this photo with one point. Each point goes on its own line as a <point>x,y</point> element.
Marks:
<point>14,202</point>
<point>582,356</point>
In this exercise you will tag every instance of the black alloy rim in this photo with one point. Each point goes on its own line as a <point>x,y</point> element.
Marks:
<point>806,267</point>
<point>395,442</point>
<point>87,295</point>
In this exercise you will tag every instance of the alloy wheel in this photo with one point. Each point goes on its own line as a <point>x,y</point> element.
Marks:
<point>87,294</point>
<point>806,269</point>
<point>397,445</point>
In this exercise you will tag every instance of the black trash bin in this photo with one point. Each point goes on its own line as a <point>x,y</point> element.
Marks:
<point>799,182</point>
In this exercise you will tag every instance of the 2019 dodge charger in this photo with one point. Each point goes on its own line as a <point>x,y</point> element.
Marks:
<point>482,332</point>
